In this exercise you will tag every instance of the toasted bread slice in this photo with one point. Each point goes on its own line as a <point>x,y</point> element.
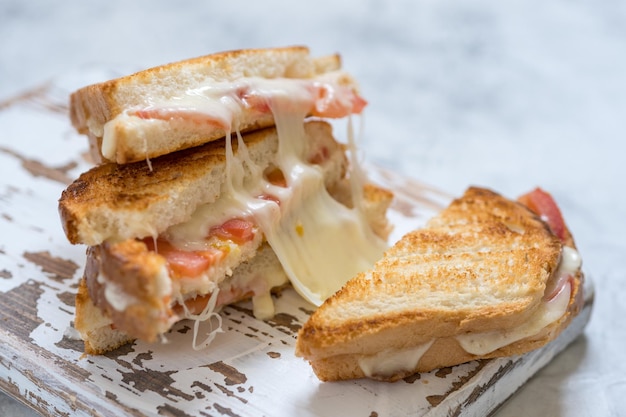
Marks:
<point>114,202</point>
<point>133,118</point>
<point>136,274</point>
<point>478,270</point>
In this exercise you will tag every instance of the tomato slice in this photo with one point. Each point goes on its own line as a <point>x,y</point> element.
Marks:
<point>190,264</point>
<point>327,101</point>
<point>188,115</point>
<point>182,263</point>
<point>238,230</point>
<point>554,288</point>
<point>194,305</point>
<point>336,102</point>
<point>542,203</point>
<point>254,101</point>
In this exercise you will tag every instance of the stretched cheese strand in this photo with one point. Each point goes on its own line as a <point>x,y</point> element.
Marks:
<point>320,242</point>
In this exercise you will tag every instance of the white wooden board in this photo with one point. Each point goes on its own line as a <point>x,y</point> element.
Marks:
<point>250,369</point>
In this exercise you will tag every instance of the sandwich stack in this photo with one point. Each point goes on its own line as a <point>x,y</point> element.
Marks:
<point>217,179</point>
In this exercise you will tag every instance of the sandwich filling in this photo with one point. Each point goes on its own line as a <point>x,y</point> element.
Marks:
<point>222,106</point>
<point>319,242</point>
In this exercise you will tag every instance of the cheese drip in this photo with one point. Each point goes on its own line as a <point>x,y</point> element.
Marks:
<point>320,242</point>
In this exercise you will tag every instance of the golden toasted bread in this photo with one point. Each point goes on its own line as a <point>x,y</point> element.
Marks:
<point>102,107</point>
<point>117,202</point>
<point>473,279</point>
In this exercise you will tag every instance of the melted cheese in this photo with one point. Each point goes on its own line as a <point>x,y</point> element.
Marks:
<point>570,261</point>
<point>319,242</point>
<point>390,362</point>
<point>208,313</point>
<point>258,277</point>
<point>220,104</point>
<point>548,312</point>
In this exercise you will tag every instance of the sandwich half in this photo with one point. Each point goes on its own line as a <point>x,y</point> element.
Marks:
<point>487,277</point>
<point>185,104</point>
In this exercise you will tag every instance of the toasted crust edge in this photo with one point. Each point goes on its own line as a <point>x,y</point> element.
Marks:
<point>98,100</point>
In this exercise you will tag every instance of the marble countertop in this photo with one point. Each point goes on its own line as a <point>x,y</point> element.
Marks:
<point>507,95</point>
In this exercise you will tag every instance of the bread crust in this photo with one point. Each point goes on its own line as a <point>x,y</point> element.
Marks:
<point>444,352</point>
<point>333,342</point>
<point>93,106</point>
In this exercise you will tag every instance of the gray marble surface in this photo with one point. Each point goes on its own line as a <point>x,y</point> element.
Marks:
<point>507,95</point>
